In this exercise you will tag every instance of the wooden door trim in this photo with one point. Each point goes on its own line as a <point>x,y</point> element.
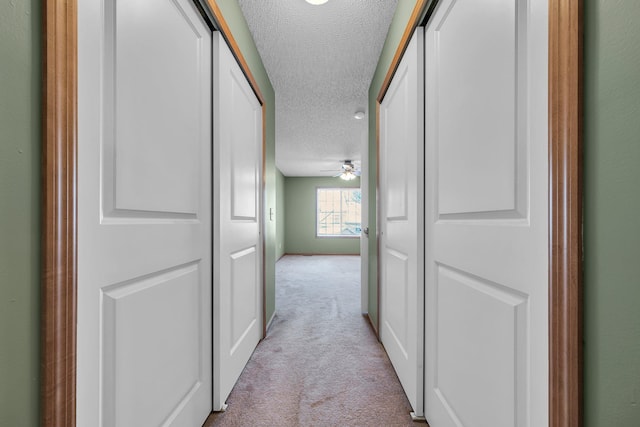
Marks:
<point>59,238</point>
<point>565,200</point>
<point>60,201</point>
<point>565,212</point>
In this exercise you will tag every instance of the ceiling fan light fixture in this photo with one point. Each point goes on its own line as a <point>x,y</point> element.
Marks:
<point>316,2</point>
<point>348,175</point>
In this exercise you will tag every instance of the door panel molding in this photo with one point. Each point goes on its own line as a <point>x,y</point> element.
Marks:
<point>565,200</point>
<point>60,199</point>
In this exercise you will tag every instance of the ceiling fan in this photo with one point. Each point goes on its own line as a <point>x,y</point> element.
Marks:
<point>348,171</point>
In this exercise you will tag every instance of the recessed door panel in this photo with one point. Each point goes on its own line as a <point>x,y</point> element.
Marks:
<point>244,161</point>
<point>477,125</point>
<point>481,336</point>
<point>396,114</point>
<point>397,301</point>
<point>401,226</point>
<point>152,133</point>
<point>244,295</point>
<point>150,338</point>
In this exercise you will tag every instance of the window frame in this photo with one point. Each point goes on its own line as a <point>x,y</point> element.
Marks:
<point>336,236</point>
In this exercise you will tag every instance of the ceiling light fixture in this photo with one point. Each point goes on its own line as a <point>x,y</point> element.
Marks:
<point>348,171</point>
<point>347,175</point>
<point>316,2</point>
<point>359,115</point>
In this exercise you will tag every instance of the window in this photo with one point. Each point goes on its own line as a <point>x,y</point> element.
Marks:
<point>338,212</point>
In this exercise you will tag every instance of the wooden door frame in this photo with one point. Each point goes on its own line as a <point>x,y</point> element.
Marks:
<point>60,201</point>
<point>565,200</point>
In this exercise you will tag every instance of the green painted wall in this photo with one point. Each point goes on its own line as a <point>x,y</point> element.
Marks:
<point>20,135</point>
<point>300,212</point>
<point>280,214</point>
<point>233,15</point>
<point>611,220</point>
<point>396,29</point>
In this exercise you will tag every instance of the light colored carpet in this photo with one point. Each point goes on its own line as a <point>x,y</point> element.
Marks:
<point>320,364</point>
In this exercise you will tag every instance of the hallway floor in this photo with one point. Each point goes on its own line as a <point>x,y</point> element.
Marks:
<point>320,364</point>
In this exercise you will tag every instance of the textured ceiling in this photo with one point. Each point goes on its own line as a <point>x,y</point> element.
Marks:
<point>320,60</point>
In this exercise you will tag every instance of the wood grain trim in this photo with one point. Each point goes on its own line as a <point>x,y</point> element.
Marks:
<point>565,213</point>
<point>414,21</point>
<point>235,49</point>
<point>58,359</point>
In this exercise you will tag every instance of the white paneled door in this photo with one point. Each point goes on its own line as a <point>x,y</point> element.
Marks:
<point>144,214</point>
<point>487,214</point>
<point>402,222</point>
<point>237,207</point>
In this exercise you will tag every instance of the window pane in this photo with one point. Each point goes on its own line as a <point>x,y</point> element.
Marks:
<point>338,212</point>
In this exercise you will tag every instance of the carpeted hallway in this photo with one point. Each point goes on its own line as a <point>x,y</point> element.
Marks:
<point>320,364</point>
